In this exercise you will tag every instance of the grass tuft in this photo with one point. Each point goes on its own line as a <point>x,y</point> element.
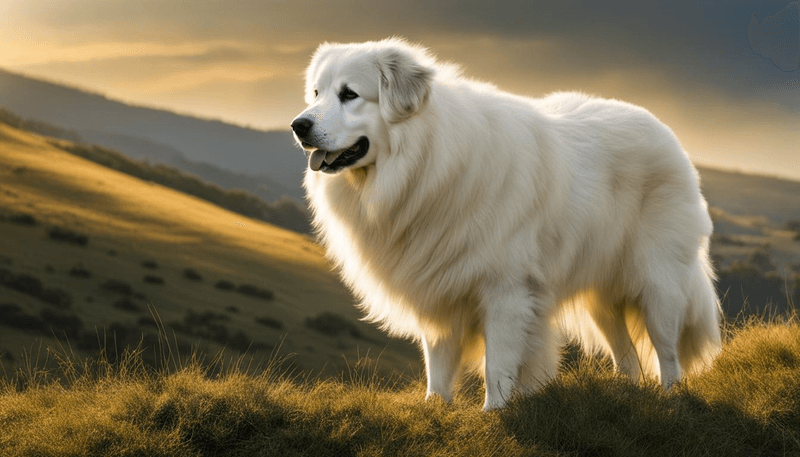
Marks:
<point>746,403</point>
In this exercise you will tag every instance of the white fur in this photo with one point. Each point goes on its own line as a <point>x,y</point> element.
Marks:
<point>487,225</point>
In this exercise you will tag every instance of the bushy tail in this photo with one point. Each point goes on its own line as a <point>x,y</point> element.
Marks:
<point>700,340</point>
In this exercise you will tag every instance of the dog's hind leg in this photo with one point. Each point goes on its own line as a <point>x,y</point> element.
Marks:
<point>442,359</point>
<point>663,310</point>
<point>611,323</point>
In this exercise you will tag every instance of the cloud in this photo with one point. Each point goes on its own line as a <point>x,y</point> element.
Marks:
<point>705,41</point>
<point>529,47</point>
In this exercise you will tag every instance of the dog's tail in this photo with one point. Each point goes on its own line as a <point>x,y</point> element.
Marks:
<point>700,340</point>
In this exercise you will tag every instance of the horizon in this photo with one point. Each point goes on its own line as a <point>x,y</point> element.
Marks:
<point>723,77</point>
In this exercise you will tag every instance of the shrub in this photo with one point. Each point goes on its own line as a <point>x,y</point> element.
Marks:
<point>118,287</point>
<point>256,292</point>
<point>31,285</point>
<point>56,297</point>
<point>333,325</point>
<point>25,283</point>
<point>206,325</point>
<point>241,342</point>
<point>22,219</point>
<point>69,325</point>
<point>14,316</point>
<point>150,264</point>
<point>152,279</point>
<point>68,236</point>
<point>223,284</point>
<point>762,261</point>
<point>192,275</point>
<point>270,322</point>
<point>126,304</point>
<point>78,271</point>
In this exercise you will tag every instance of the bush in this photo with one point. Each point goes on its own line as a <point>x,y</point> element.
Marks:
<point>68,236</point>
<point>223,284</point>
<point>206,325</point>
<point>270,322</point>
<point>333,325</point>
<point>31,285</point>
<point>256,292</point>
<point>14,316</point>
<point>56,297</point>
<point>152,279</point>
<point>78,271</point>
<point>25,283</point>
<point>192,275</point>
<point>68,325</point>
<point>126,304</point>
<point>150,264</point>
<point>117,287</point>
<point>22,219</point>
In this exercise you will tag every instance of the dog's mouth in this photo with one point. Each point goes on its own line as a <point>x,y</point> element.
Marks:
<point>331,161</point>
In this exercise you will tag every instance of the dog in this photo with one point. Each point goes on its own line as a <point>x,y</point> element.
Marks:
<point>491,227</point>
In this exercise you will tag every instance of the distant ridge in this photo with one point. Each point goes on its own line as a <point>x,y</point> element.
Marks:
<point>234,148</point>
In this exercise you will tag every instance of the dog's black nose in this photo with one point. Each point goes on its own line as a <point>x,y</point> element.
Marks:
<point>301,126</point>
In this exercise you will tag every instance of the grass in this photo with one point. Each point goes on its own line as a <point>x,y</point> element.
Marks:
<point>747,403</point>
<point>129,222</point>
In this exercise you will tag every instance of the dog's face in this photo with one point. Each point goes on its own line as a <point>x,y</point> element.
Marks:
<point>354,93</point>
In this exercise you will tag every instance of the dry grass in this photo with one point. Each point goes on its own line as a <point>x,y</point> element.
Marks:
<point>748,403</point>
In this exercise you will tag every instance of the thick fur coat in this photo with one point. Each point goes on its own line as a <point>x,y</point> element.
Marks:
<point>490,226</point>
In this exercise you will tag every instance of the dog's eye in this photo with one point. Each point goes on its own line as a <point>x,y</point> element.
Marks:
<point>316,93</point>
<point>347,94</point>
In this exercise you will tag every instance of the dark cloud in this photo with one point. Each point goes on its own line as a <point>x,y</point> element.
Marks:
<point>707,42</point>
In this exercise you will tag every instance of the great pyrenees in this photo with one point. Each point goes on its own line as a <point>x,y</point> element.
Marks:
<point>489,226</point>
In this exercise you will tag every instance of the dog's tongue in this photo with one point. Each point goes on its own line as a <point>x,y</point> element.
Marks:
<point>315,159</point>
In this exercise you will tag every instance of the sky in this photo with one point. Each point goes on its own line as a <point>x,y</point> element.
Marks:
<point>724,75</point>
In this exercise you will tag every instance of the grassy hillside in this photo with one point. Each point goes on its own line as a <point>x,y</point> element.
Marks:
<point>91,115</point>
<point>747,403</point>
<point>85,251</point>
<point>283,211</point>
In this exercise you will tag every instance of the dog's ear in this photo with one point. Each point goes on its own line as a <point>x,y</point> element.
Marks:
<point>405,84</point>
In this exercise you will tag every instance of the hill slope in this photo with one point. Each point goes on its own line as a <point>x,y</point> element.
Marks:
<point>145,236</point>
<point>744,405</point>
<point>109,122</point>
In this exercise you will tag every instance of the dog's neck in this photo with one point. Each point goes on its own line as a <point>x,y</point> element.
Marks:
<point>357,177</point>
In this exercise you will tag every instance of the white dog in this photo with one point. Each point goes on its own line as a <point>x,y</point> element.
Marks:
<point>487,225</point>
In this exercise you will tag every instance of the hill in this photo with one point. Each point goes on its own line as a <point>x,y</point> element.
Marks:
<point>239,155</point>
<point>86,250</point>
<point>776,199</point>
<point>746,404</point>
<point>118,125</point>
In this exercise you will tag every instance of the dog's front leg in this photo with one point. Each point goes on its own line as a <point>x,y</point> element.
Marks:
<point>509,315</point>
<point>442,358</point>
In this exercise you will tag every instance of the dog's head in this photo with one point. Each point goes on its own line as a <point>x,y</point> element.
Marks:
<point>355,92</point>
